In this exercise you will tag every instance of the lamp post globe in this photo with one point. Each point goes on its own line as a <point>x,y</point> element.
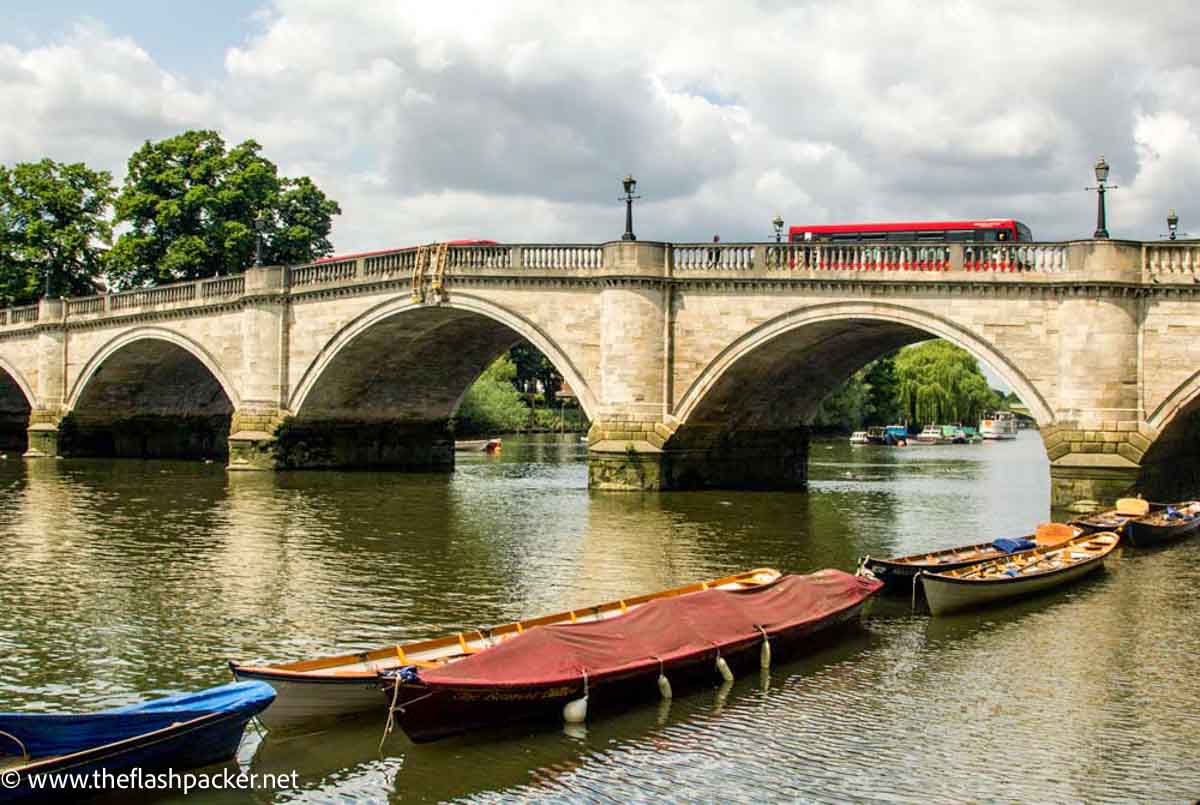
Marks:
<point>778,224</point>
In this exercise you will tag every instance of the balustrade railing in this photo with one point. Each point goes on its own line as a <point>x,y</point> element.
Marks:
<point>87,304</point>
<point>223,286</point>
<point>727,256</point>
<point>166,294</point>
<point>338,271</point>
<point>1165,259</point>
<point>561,256</point>
<point>19,315</point>
<point>1157,259</point>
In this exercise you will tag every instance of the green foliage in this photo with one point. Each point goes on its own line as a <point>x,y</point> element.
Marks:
<point>532,366</point>
<point>846,406</point>
<point>883,403</point>
<point>53,225</point>
<point>192,208</point>
<point>939,382</point>
<point>492,404</point>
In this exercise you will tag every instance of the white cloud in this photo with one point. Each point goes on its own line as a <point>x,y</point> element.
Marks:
<point>517,121</point>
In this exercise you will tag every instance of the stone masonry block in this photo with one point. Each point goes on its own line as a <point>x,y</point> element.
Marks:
<point>1127,426</point>
<point>1058,451</point>
<point>1139,441</point>
<point>1127,450</point>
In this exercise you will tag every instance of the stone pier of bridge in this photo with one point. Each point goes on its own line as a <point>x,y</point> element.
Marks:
<point>698,365</point>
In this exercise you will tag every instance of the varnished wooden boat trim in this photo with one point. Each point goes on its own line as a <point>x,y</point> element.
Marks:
<point>459,644</point>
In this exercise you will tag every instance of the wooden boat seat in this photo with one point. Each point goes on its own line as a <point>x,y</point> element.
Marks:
<point>1133,507</point>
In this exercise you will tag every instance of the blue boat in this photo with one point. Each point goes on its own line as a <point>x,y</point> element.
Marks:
<point>175,732</point>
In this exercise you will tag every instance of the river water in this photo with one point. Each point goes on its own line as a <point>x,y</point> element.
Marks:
<point>121,580</point>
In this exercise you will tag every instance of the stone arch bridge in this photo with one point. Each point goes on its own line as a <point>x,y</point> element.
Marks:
<point>698,364</point>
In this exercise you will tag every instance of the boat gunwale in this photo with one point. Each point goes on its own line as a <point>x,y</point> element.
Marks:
<point>304,669</point>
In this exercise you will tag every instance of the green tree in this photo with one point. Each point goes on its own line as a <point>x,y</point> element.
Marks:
<point>939,382</point>
<point>531,365</point>
<point>883,387</point>
<point>192,208</point>
<point>54,229</point>
<point>492,404</point>
<point>846,407</point>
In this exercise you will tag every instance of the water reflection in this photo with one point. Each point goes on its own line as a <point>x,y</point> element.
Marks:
<point>124,579</point>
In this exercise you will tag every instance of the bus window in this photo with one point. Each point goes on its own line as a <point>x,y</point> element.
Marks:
<point>1023,232</point>
<point>904,237</point>
<point>960,236</point>
<point>938,236</point>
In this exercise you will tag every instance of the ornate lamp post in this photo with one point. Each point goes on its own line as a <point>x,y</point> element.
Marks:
<point>1172,224</point>
<point>1101,168</point>
<point>778,224</point>
<point>629,183</point>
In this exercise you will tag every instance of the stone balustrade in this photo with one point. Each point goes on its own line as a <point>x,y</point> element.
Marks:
<point>682,259</point>
<point>1179,260</point>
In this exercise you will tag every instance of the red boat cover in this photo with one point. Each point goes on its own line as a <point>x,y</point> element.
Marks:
<point>666,629</point>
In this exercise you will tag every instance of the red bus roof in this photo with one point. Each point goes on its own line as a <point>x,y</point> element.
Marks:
<point>337,257</point>
<point>908,226</point>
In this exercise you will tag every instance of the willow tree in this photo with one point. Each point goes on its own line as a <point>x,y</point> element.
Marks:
<point>939,382</point>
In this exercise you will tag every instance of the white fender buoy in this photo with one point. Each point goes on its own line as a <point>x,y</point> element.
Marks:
<point>575,711</point>
<point>723,669</point>
<point>664,686</point>
<point>764,654</point>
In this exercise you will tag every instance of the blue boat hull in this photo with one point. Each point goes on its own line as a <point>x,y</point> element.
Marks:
<point>198,741</point>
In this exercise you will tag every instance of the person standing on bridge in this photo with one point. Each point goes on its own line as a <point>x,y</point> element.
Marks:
<point>714,255</point>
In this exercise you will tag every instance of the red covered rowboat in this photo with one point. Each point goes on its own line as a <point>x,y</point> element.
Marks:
<point>611,661</point>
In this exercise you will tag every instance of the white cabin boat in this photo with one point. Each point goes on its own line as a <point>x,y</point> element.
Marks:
<point>932,434</point>
<point>998,425</point>
<point>859,437</point>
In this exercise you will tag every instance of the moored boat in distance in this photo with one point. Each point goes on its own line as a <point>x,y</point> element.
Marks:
<point>931,434</point>
<point>479,445</point>
<point>859,437</point>
<point>1171,522</point>
<point>1018,575</point>
<point>897,574</point>
<point>558,671</point>
<point>998,425</point>
<point>330,687</point>
<point>176,732</point>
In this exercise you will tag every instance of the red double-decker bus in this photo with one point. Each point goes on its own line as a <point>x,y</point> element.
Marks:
<point>988,230</point>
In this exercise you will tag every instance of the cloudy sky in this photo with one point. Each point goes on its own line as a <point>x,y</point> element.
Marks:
<point>517,121</point>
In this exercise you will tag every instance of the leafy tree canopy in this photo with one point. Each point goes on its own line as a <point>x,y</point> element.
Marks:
<point>192,208</point>
<point>531,365</point>
<point>942,383</point>
<point>54,228</point>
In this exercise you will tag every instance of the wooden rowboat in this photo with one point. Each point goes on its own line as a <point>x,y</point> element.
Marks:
<point>557,672</point>
<point>330,687</point>
<point>1172,521</point>
<point>1116,519</point>
<point>176,732</point>
<point>897,574</point>
<point>1018,575</point>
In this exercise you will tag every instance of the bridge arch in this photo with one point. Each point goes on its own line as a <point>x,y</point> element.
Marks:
<point>157,334</point>
<point>461,303</point>
<point>884,327</point>
<point>150,392</point>
<point>17,401</point>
